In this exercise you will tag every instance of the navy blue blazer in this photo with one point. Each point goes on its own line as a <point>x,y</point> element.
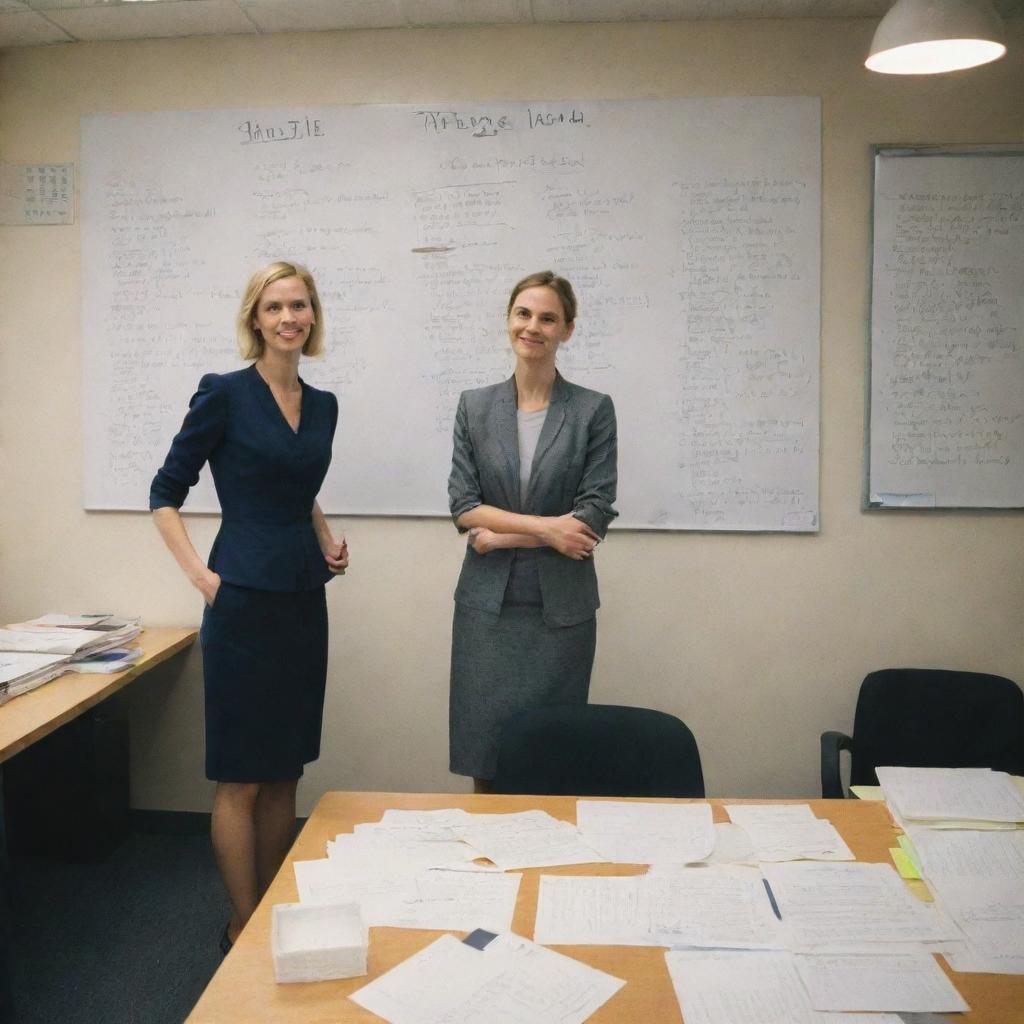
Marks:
<point>267,478</point>
<point>574,470</point>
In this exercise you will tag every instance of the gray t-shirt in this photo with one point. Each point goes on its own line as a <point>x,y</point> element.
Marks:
<point>529,426</point>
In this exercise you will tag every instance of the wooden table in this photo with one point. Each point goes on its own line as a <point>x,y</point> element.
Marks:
<point>66,778</point>
<point>36,714</point>
<point>243,990</point>
<point>32,716</point>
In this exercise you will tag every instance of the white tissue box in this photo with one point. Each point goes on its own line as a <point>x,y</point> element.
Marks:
<point>317,943</point>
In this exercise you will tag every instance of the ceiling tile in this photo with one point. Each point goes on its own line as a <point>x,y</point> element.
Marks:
<point>314,15</point>
<point>617,10</point>
<point>466,12</point>
<point>26,28</point>
<point>53,5</point>
<point>153,20</point>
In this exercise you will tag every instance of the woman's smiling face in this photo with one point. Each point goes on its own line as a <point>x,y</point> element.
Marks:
<point>536,324</point>
<point>284,315</point>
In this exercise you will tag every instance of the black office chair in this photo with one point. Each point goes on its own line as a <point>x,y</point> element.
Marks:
<point>928,718</point>
<point>598,750</point>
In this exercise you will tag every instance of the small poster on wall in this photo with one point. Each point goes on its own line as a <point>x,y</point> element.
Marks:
<point>37,194</point>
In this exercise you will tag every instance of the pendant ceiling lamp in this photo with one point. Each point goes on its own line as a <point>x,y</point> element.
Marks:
<point>925,37</point>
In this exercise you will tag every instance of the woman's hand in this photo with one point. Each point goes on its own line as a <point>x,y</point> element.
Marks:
<point>570,536</point>
<point>336,555</point>
<point>208,585</point>
<point>482,540</point>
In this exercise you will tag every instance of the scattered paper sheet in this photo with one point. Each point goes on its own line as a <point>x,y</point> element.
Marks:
<point>511,980</point>
<point>529,839</point>
<point>425,826</point>
<point>978,880</point>
<point>847,907</point>
<point>700,906</point>
<point>605,910</point>
<point>712,907</point>
<point>627,832</point>
<point>911,983</point>
<point>732,846</point>
<point>970,855</point>
<point>780,832</point>
<point>434,899</point>
<point>951,794</point>
<point>729,987</point>
<point>725,987</point>
<point>370,853</point>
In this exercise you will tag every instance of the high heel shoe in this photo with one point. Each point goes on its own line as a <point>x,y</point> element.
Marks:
<point>225,941</point>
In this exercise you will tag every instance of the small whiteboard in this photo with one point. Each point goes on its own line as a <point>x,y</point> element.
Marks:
<point>690,229</point>
<point>946,426</point>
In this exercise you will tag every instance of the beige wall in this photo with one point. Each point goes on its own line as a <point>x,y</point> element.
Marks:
<point>758,641</point>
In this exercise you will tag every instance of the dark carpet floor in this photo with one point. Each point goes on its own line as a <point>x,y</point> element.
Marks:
<point>130,941</point>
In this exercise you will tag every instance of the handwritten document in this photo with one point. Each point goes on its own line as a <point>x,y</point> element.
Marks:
<point>627,832</point>
<point>849,906</point>
<point>978,879</point>
<point>373,853</point>
<point>594,910</point>
<point>789,832</point>
<point>456,900</point>
<point>510,980</point>
<point>701,906</point>
<point>728,987</point>
<point>947,363</point>
<point>911,983</point>
<point>528,839</point>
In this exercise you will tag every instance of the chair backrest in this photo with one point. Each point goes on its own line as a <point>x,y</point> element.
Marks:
<point>934,718</point>
<point>598,750</point>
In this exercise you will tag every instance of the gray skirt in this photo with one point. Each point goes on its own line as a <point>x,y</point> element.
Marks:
<point>509,662</point>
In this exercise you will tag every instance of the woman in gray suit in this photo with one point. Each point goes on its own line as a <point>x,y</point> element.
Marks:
<point>533,482</point>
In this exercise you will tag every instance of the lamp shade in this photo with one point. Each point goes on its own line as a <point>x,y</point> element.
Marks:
<point>924,37</point>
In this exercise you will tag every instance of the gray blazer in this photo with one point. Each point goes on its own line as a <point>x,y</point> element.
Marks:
<point>574,470</point>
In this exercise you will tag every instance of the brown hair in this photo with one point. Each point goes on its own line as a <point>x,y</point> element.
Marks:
<point>250,341</point>
<point>547,279</point>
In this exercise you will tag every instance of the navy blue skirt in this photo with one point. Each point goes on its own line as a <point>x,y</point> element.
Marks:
<point>265,670</point>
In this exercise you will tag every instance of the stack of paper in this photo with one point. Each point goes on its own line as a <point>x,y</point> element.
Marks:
<point>75,642</point>
<point>21,671</point>
<point>952,797</point>
<point>408,872</point>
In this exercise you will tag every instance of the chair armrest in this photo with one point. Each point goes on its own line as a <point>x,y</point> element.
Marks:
<point>831,782</point>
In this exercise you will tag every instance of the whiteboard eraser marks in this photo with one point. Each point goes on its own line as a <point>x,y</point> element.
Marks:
<point>318,943</point>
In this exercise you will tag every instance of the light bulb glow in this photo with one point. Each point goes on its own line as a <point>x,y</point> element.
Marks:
<point>935,56</point>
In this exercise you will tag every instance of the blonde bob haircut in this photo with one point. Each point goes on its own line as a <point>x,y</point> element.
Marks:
<point>547,279</point>
<point>250,341</point>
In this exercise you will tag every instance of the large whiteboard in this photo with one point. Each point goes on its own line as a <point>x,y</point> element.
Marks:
<point>947,329</point>
<point>690,229</point>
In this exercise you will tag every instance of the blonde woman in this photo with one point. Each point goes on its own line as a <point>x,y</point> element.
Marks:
<point>267,436</point>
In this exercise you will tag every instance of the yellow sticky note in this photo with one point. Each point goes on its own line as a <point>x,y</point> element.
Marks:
<point>908,848</point>
<point>904,865</point>
<point>867,792</point>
